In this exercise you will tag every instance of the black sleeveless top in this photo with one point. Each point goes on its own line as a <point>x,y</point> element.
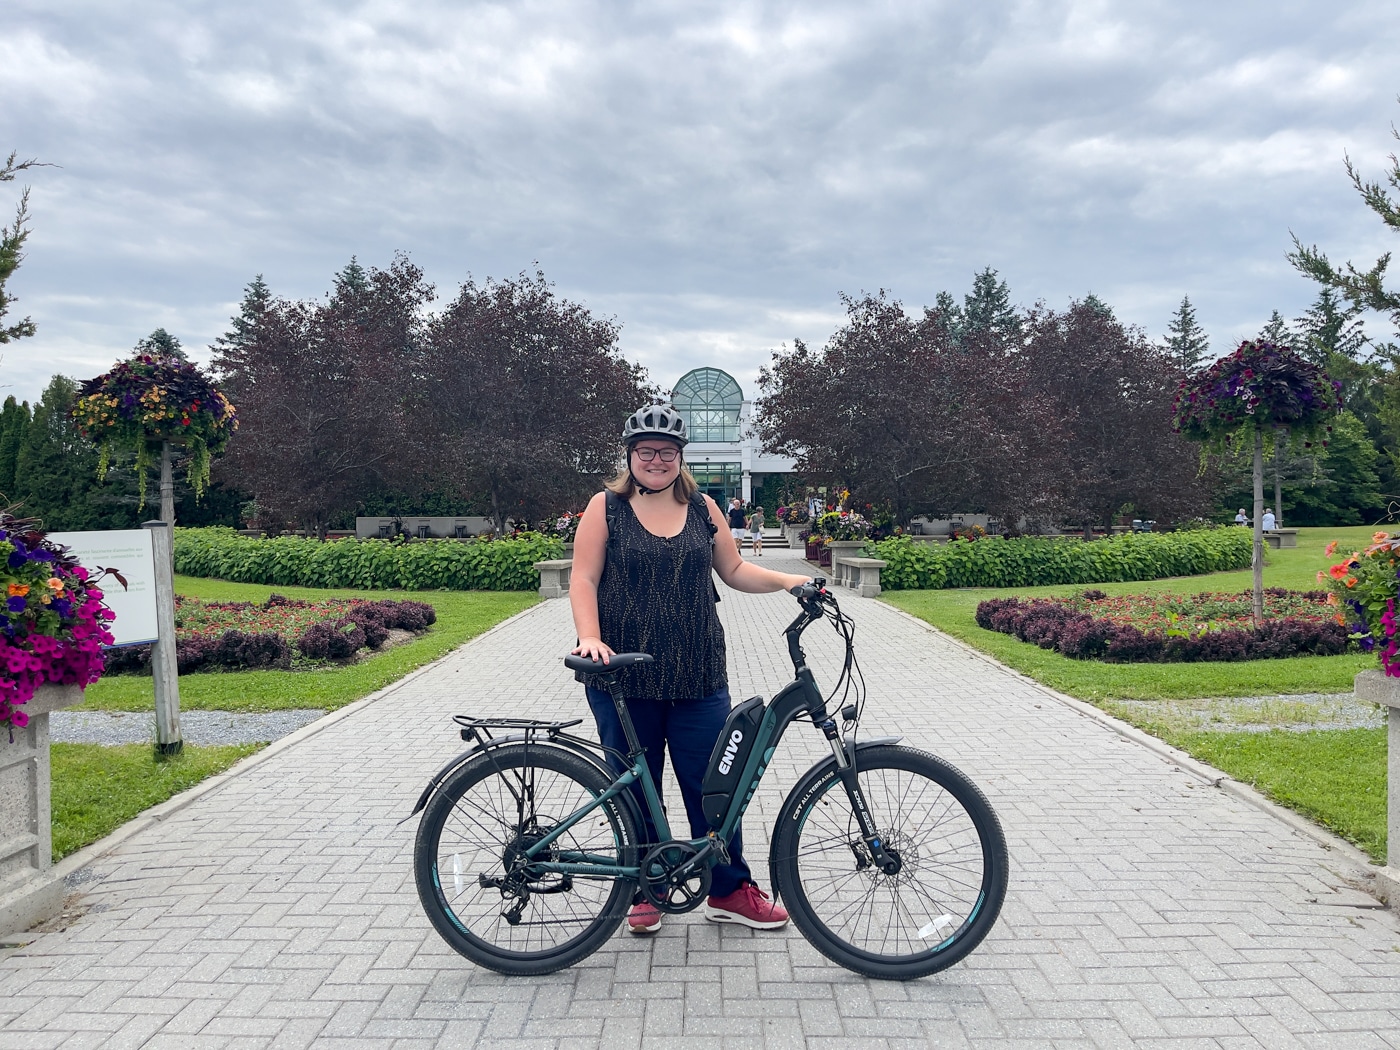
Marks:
<point>657,596</point>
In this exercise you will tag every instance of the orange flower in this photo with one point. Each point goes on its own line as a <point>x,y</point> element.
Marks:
<point>1321,576</point>
<point>1331,598</point>
<point>19,590</point>
<point>1350,581</point>
<point>1331,549</point>
<point>1380,536</point>
<point>1337,571</point>
<point>55,584</point>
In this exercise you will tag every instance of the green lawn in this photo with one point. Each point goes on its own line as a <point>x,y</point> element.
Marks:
<point>98,788</point>
<point>1336,777</point>
<point>953,611</point>
<point>461,615</point>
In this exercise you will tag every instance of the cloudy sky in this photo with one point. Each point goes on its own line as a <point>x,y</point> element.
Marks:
<point>712,175</point>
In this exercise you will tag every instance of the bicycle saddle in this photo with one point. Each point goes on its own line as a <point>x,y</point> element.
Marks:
<point>616,662</point>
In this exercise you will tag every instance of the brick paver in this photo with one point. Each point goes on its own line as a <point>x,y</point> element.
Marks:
<point>1146,909</point>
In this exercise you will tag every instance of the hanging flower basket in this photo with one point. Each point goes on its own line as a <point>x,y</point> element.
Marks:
<point>1260,385</point>
<point>146,401</point>
<point>54,623</point>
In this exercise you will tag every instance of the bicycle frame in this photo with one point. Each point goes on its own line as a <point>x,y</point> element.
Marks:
<point>801,696</point>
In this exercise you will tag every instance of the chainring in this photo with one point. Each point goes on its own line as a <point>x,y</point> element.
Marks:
<point>669,880</point>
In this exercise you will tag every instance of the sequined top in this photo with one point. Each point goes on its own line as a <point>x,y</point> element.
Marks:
<point>657,596</point>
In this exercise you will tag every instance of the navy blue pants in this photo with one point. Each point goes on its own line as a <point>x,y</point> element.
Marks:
<point>690,728</point>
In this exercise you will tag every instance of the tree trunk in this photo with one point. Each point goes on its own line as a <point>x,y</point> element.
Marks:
<point>498,515</point>
<point>1278,481</point>
<point>1258,560</point>
<point>167,486</point>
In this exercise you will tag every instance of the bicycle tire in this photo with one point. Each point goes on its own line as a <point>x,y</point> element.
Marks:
<point>475,823</point>
<point>953,874</point>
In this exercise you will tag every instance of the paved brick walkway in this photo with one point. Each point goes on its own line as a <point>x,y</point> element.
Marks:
<point>1146,908</point>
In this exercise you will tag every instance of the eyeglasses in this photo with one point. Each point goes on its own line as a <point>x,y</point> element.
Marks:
<point>666,455</point>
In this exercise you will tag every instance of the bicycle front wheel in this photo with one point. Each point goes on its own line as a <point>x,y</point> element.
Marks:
<point>943,838</point>
<point>483,894</point>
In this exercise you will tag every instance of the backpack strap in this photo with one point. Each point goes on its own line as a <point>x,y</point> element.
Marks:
<point>697,500</point>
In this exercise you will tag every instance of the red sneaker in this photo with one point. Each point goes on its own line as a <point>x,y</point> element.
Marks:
<point>748,906</point>
<point>644,918</point>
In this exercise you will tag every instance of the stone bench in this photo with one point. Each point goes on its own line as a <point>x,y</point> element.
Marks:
<point>862,574</point>
<point>1378,688</point>
<point>1281,537</point>
<point>554,577</point>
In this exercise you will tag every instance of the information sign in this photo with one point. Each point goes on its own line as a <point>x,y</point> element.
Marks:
<point>128,551</point>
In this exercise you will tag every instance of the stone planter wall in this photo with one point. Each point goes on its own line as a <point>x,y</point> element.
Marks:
<point>1378,688</point>
<point>27,893</point>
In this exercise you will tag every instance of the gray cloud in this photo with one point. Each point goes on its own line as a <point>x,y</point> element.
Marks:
<point>712,175</point>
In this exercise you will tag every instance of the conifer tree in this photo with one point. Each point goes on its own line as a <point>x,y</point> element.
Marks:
<point>14,428</point>
<point>1186,340</point>
<point>1277,331</point>
<point>12,240</point>
<point>987,308</point>
<point>161,343</point>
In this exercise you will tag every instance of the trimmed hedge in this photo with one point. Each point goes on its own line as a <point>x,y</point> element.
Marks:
<point>420,565</point>
<point>1069,632</point>
<point>1034,561</point>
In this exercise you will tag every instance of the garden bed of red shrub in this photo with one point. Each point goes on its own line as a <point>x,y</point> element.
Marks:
<point>1197,628</point>
<point>276,634</point>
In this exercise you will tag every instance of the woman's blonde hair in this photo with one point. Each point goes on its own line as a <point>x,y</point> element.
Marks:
<point>623,484</point>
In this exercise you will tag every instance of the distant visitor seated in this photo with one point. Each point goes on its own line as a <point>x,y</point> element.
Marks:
<point>1241,518</point>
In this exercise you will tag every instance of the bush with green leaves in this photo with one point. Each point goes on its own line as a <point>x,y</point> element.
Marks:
<point>419,565</point>
<point>1035,561</point>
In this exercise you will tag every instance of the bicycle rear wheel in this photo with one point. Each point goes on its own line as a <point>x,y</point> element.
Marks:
<point>947,842</point>
<point>478,888</point>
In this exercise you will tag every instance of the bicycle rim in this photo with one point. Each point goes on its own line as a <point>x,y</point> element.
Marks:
<point>952,867</point>
<point>472,837</point>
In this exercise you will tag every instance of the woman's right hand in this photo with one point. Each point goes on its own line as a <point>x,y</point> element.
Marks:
<point>593,649</point>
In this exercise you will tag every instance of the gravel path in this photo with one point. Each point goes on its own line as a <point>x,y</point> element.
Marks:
<point>197,727</point>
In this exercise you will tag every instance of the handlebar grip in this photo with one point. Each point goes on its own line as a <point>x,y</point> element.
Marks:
<point>808,591</point>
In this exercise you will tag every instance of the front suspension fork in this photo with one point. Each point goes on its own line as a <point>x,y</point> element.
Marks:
<point>846,770</point>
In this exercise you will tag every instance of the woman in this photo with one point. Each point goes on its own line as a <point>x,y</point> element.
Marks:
<point>646,586</point>
<point>756,523</point>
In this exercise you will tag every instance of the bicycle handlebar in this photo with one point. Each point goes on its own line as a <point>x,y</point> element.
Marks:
<point>807,592</point>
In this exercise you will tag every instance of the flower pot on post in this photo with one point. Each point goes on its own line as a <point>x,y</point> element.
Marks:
<point>1385,689</point>
<point>28,891</point>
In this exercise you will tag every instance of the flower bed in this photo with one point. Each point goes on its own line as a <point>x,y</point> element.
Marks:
<point>1032,561</point>
<point>416,565</point>
<point>1170,628</point>
<point>241,636</point>
<point>54,623</point>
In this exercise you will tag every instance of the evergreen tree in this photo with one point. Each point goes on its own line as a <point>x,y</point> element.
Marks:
<point>1277,332</point>
<point>12,240</point>
<point>350,282</point>
<point>1331,328</point>
<point>987,308</point>
<point>1186,340</point>
<point>256,297</point>
<point>14,427</point>
<point>161,343</point>
<point>945,316</point>
<point>1093,303</point>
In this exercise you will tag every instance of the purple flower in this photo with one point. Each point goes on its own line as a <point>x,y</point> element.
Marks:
<point>17,558</point>
<point>16,604</point>
<point>41,555</point>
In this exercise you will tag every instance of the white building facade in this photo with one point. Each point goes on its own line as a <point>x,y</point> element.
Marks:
<point>723,454</point>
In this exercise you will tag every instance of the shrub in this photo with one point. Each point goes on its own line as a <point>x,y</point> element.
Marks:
<point>476,565</point>
<point>1055,625</point>
<point>1032,561</point>
<point>331,641</point>
<point>233,650</point>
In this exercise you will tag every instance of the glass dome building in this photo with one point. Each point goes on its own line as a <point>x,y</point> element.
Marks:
<point>725,457</point>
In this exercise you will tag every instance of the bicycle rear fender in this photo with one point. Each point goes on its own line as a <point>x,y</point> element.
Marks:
<point>518,738</point>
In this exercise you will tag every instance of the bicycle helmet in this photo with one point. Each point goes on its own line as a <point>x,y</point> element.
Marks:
<point>654,421</point>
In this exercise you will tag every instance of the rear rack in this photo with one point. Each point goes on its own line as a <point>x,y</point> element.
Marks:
<point>479,729</point>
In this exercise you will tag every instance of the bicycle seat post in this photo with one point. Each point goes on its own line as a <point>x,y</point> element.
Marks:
<point>614,687</point>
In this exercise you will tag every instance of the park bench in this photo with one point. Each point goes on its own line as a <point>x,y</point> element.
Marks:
<point>861,574</point>
<point>1281,537</point>
<point>554,577</point>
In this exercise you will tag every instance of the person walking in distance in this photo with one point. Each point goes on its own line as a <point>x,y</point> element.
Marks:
<point>643,582</point>
<point>737,523</point>
<point>756,524</point>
